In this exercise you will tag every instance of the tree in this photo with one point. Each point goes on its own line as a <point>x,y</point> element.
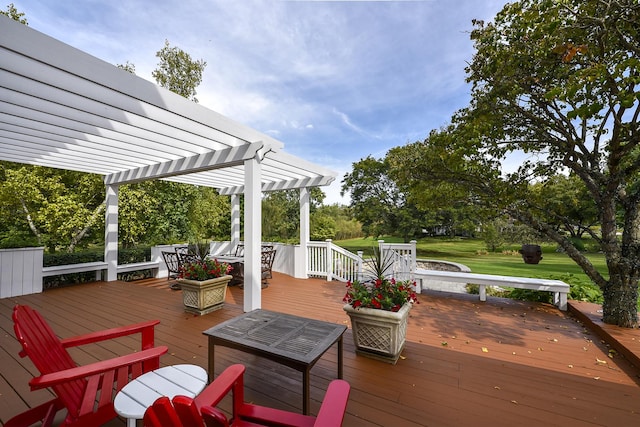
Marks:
<point>555,82</point>
<point>281,214</point>
<point>568,203</point>
<point>166,212</point>
<point>60,208</point>
<point>13,13</point>
<point>378,203</point>
<point>127,66</point>
<point>178,72</point>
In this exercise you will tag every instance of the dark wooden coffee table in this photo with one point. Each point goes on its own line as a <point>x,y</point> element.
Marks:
<point>296,342</point>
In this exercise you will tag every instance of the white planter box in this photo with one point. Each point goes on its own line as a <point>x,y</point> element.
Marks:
<point>205,296</point>
<point>20,271</point>
<point>379,334</point>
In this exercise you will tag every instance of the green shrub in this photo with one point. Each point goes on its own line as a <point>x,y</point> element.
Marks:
<point>530,295</point>
<point>577,243</point>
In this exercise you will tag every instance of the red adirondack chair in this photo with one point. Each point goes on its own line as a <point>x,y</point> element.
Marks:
<point>199,412</point>
<point>86,392</point>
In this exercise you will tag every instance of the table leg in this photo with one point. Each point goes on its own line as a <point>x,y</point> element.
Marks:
<point>340,357</point>
<point>305,391</point>
<point>211,366</point>
<point>131,422</point>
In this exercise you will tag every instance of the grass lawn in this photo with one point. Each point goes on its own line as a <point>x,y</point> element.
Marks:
<point>473,254</point>
<point>506,262</point>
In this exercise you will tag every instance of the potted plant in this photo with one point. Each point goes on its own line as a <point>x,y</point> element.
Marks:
<point>204,285</point>
<point>379,310</point>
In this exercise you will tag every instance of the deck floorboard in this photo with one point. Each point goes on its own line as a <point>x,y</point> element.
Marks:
<point>466,363</point>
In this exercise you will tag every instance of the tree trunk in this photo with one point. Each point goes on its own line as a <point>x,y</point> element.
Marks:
<point>99,210</point>
<point>620,306</point>
<point>32,225</point>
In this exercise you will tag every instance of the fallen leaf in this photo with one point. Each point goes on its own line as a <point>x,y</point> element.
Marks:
<point>514,402</point>
<point>444,343</point>
<point>402,357</point>
<point>485,350</point>
<point>571,366</point>
<point>601,362</point>
<point>496,387</point>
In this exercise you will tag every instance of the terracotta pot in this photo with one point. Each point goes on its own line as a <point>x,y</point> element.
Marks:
<point>379,334</point>
<point>202,297</point>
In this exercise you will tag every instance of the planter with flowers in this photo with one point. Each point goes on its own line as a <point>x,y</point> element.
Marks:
<point>204,285</point>
<point>379,310</point>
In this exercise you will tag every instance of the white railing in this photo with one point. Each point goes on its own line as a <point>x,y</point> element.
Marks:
<point>333,262</point>
<point>404,257</point>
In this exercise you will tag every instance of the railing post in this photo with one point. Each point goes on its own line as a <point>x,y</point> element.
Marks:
<point>360,265</point>
<point>329,260</point>
<point>414,260</point>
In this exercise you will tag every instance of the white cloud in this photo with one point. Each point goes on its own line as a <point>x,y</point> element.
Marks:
<point>334,80</point>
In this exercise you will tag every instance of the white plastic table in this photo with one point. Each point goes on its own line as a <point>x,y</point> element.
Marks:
<point>133,400</point>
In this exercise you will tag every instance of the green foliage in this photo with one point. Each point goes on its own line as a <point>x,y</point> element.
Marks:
<point>281,216</point>
<point>334,222</point>
<point>167,212</point>
<point>381,293</point>
<point>178,72</point>
<point>204,269</point>
<point>577,243</point>
<point>558,81</point>
<point>530,295</point>
<point>377,202</point>
<point>556,84</point>
<point>128,67</point>
<point>14,14</point>
<point>17,239</point>
<point>492,236</point>
<point>61,209</point>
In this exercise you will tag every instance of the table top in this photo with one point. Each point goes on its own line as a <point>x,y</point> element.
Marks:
<point>289,337</point>
<point>134,398</point>
<point>227,258</point>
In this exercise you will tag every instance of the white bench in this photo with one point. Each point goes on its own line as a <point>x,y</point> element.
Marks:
<point>135,266</point>
<point>559,288</point>
<point>97,266</point>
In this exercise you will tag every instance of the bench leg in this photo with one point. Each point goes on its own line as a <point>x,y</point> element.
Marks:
<point>483,292</point>
<point>560,300</point>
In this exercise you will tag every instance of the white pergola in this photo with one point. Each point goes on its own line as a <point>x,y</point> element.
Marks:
<point>63,108</point>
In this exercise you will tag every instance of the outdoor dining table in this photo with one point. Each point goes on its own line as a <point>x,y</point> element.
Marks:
<point>293,341</point>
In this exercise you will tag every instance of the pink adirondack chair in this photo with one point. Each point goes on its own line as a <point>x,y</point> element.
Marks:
<point>201,411</point>
<point>87,392</point>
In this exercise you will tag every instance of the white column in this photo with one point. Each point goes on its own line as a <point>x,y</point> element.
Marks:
<point>252,234</point>
<point>111,233</point>
<point>235,221</point>
<point>303,260</point>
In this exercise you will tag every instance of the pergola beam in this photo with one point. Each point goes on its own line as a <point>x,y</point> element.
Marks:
<point>186,165</point>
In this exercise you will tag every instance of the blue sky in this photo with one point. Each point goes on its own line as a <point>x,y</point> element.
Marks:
<point>335,81</point>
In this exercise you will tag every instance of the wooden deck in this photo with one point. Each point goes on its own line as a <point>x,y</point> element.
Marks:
<point>466,363</point>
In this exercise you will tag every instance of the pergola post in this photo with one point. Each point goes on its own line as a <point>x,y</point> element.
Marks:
<point>252,234</point>
<point>111,232</point>
<point>235,221</point>
<point>303,260</point>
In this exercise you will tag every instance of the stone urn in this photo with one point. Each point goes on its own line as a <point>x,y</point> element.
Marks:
<point>379,334</point>
<point>202,297</point>
<point>531,254</point>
